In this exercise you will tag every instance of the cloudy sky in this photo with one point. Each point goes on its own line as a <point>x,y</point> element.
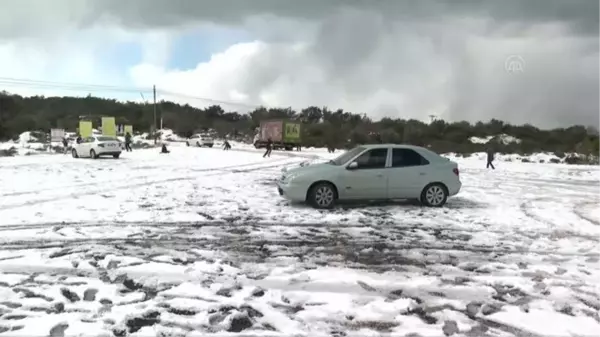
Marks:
<point>394,58</point>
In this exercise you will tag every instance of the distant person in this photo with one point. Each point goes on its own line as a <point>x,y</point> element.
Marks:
<point>269,148</point>
<point>79,139</point>
<point>298,147</point>
<point>128,142</point>
<point>65,143</point>
<point>226,146</point>
<point>490,159</point>
<point>164,149</point>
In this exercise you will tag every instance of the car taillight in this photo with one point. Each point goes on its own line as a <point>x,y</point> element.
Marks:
<point>101,145</point>
<point>455,170</point>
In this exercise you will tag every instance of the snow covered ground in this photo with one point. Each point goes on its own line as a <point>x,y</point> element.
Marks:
<point>199,243</point>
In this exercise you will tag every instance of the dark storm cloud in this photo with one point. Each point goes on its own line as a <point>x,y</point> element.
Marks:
<point>580,15</point>
<point>416,52</point>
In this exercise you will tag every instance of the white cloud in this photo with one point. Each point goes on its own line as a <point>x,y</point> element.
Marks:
<point>435,58</point>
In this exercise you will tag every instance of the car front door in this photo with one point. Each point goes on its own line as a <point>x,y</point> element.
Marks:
<point>86,146</point>
<point>407,174</point>
<point>368,178</point>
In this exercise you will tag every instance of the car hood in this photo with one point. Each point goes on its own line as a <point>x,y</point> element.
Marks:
<point>308,169</point>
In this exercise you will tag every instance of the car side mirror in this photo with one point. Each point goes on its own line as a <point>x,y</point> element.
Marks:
<point>353,166</point>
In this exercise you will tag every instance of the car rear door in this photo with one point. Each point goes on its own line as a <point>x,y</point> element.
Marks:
<point>407,174</point>
<point>369,180</point>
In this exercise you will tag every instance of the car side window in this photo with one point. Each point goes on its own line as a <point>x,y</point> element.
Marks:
<point>407,158</point>
<point>88,140</point>
<point>372,159</point>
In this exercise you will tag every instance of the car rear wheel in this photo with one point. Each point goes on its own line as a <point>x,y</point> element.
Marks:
<point>93,154</point>
<point>322,196</point>
<point>434,195</point>
<point>116,156</point>
<point>198,144</point>
<point>74,153</point>
<point>209,145</point>
<point>187,143</point>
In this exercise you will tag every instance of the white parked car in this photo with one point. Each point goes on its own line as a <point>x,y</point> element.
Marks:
<point>374,172</point>
<point>96,146</point>
<point>200,140</point>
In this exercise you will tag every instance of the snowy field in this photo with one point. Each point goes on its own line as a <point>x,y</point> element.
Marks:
<point>199,243</point>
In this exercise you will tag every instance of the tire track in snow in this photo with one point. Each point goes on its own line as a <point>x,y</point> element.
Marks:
<point>387,227</point>
<point>231,169</point>
<point>527,207</point>
<point>579,208</point>
<point>12,194</point>
<point>232,241</point>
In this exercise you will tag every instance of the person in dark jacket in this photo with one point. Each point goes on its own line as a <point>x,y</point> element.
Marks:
<point>128,142</point>
<point>79,139</point>
<point>269,148</point>
<point>490,159</point>
<point>65,144</point>
<point>226,145</point>
<point>164,148</point>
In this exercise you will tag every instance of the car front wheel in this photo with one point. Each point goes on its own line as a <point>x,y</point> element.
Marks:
<point>322,196</point>
<point>434,195</point>
<point>74,153</point>
<point>116,156</point>
<point>187,143</point>
<point>93,154</point>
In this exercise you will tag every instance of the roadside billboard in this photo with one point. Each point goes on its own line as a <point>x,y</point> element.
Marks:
<point>57,135</point>
<point>128,129</point>
<point>109,127</point>
<point>85,129</point>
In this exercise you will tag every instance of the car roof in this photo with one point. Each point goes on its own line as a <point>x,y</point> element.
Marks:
<point>396,146</point>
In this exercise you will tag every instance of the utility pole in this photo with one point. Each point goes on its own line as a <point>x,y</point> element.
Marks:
<point>154,108</point>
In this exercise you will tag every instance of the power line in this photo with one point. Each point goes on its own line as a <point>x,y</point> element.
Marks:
<point>67,85</point>
<point>17,82</point>
<point>210,100</point>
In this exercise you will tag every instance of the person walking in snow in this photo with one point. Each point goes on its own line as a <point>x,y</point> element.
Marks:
<point>128,142</point>
<point>269,148</point>
<point>65,143</point>
<point>490,159</point>
<point>226,146</point>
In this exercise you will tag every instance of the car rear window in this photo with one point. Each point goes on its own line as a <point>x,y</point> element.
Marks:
<point>106,139</point>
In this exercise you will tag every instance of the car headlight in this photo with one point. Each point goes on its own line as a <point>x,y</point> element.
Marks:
<point>288,178</point>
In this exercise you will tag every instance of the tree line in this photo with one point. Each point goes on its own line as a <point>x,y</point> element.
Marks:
<point>321,126</point>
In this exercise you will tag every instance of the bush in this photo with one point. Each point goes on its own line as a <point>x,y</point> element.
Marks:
<point>8,152</point>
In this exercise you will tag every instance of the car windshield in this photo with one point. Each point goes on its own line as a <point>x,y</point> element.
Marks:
<point>106,139</point>
<point>346,156</point>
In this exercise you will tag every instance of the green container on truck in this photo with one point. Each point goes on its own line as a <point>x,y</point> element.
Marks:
<point>284,134</point>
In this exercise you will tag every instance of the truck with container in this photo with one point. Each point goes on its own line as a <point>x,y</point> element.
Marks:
<point>284,134</point>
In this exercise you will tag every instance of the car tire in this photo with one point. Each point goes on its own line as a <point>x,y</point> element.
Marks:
<point>434,195</point>
<point>74,153</point>
<point>198,144</point>
<point>187,143</point>
<point>93,154</point>
<point>322,196</point>
<point>210,145</point>
<point>116,156</point>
